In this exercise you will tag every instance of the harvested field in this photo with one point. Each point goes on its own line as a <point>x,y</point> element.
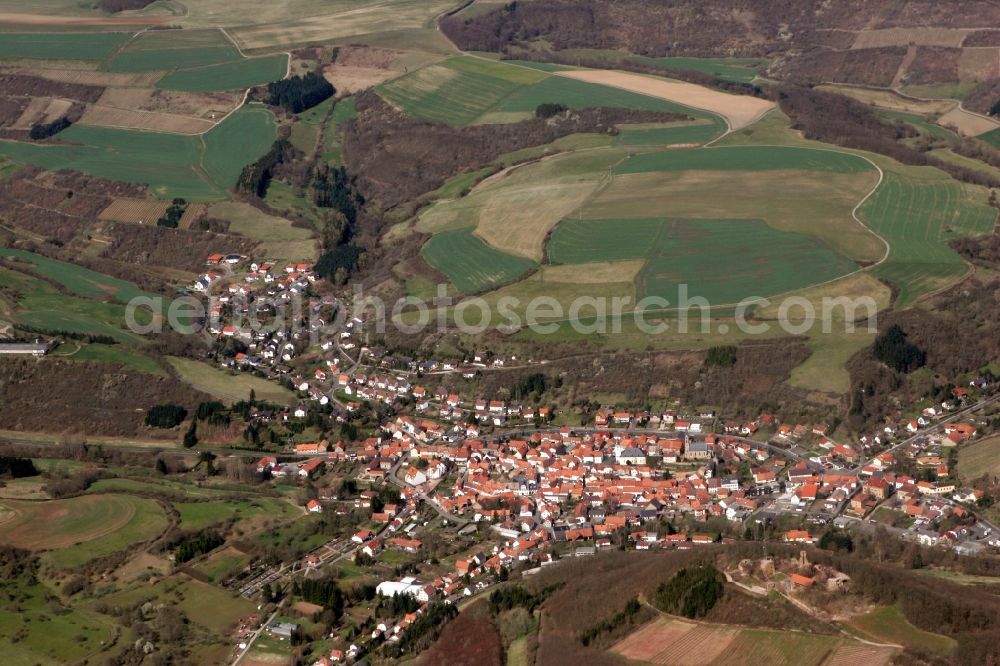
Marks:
<point>348,79</point>
<point>648,641</point>
<point>106,116</point>
<point>738,110</point>
<point>42,110</point>
<point>360,67</point>
<point>18,18</point>
<point>969,124</point>
<point>869,39</point>
<point>202,105</point>
<point>680,643</point>
<point>368,18</point>
<point>97,78</point>
<point>979,64</point>
<point>595,272</point>
<point>138,211</point>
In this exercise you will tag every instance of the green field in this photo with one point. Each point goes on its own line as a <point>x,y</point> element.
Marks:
<point>580,94</point>
<point>992,137</point>
<point>230,146</point>
<point>221,384</point>
<point>978,458</point>
<point>675,134</point>
<point>148,60</point>
<point>917,212</point>
<point>228,75</point>
<point>63,46</point>
<point>458,90</point>
<point>759,260</point>
<point>740,70</point>
<point>197,168</point>
<point>81,529</point>
<point>755,158</point>
<point>471,264</point>
<point>463,90</point>
<point>889,624</point>
<point>79,280</point>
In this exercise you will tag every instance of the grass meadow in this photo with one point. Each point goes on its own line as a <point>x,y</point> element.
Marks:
<point>888,624</point>
<point>41,305</point>
<point>221,384</point>
<point>978,458</point>
<point>80,529</point>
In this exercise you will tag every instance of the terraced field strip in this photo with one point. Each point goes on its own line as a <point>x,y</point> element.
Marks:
<point>852,654</point>
<point>679,134</point>
<point>748,158</point>
<point>757,646</point>
<point>741,70</point>
<point>648,641</point>
<point>61,45</point>
<point>471,264</point>
<point>917,213</point>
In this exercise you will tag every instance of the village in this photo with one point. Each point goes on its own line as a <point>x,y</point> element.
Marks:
<point>630,479</point>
